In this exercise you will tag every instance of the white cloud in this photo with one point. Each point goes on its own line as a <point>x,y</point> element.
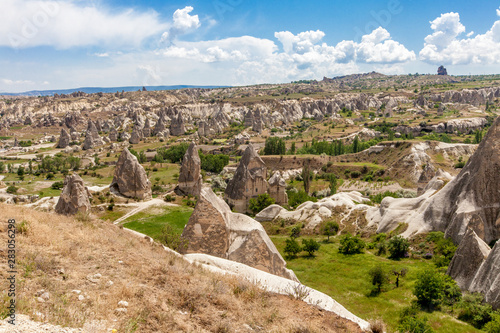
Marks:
<point>256,60</point>
<point>31,23</point>
<point>498,12</point>
<point>10,82</point>
<point>183,23</point>
<point>444,47</point>
<point>102,55</point>
<point>470,34</point>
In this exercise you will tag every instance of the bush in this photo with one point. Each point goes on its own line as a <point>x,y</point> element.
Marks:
<point>292,248</point>
<point>213,163</point>
<point>378,277</point>
<point>410,322</point>
<point>429,289</point>
<point>50,176</point>
<point>297,198</point>
<point>171,239</point>
<point>310,246</point>
<point>398,246</point>
<point>295,232</point>
<point>169,198</point>
<point>12,189</point>
<point>351,244</point>
<point>494,325</point>
<point>261,202</point>
<point>57,185</point>
<point>330,229</point>
<point>472,310</point>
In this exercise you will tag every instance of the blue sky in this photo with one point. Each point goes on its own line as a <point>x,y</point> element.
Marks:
<point>49,44</point>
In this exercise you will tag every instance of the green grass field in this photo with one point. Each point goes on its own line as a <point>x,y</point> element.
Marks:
<point>152,222</point>
<point>345,278</point>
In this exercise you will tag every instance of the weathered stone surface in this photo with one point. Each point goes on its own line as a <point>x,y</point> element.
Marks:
<point>130,178</point>
<point>177,125</point>
<point>442,70</point>
<point>74,196</point>
<point>487,279</point>
<point>92,138</point>
<point>146,131</point>
<point>190,179</point>
<point>249,181</point>
<point>469,256</point>
<point>136,136</point>
<point>213,229</point>
<point>277,189</point>
<point>113,134</point>
<point>159,127</point>
<point>64,139</point>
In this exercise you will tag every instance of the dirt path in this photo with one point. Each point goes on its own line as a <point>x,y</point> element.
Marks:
<point>140,206</point>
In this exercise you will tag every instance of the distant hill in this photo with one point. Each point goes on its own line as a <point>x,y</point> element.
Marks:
<point>93,90</point>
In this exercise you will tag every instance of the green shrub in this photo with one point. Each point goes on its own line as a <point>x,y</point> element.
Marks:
<point>12,189</point>
<point>57,185</point>
<point>377,198</point>
<point>310,246</point>
<point>330,228</point>
<point>429,289</point>
<point>398,246</point>
<point>494,325</point>
<point>295,232</point>
<point>410,322</point>
<point>378,277</point>
<point>472,310</point>
<point>295,199</point>
<point>262,201</point>
<point>292,248</point>
<point>351,244</point>
<point>172,239</point>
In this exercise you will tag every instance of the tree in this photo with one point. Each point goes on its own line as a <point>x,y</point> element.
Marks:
<point>355,145</point>
<point>292,248</point>
<point>378,277</point>
<point>306,176</point>
<point>351,244</point>
<point>292,149</point>
<point>478,136</point>
<point>332,178</point>
<point>262,201</point>
<point>275,146</point>
<point>330,229</point>
<point>399,274</point>
<point>295,232</point>
<point>429,288</point>
<point>310,246</point>
<point>398,246</point>
<point>20,171</point>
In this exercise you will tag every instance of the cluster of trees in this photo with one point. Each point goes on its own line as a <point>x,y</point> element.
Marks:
<point>337,147</point>
<point>175,154</point>
<point>262,201</point>
<point>293,248</point>
<point>275,146</point>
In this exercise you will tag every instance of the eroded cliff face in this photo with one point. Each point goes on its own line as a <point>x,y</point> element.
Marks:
<point>213,229</point>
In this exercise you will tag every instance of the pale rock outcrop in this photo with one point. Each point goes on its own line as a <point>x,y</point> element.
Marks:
<point>160,126</point>
<point>249,181</point>
<point>92,138</point>
<point>213,229</point>
<point>277,189</point>
<point>113,134</point>
<point>470,200</point>
<point>470,255</point>
<point>190,180</point>
<point>64,139</point>
<point>177,125</point>
<point>313,213</point>
<point>130,178</point>
<point>74,197</point>
<point>136,136</point>
<point>146,131</point>
<point>487,279</point>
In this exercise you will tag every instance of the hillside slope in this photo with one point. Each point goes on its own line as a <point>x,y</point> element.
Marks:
<point>164,293</point>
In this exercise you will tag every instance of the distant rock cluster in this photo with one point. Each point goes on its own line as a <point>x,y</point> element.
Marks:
<point>442,70</point>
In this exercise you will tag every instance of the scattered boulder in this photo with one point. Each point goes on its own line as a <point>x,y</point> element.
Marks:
<point>213,229</point>
<point>130,178</point>
<point>64,139</point>
<point>74,197</point>
<point>190,179</point>
<point>470,255</point>
<point>249,181</point>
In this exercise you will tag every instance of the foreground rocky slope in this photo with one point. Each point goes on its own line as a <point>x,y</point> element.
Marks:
<point>89,267</point>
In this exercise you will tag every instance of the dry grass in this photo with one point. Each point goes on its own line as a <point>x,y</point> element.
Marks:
<point>165,293</point>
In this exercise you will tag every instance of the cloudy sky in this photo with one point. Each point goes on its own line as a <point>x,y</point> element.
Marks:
<point>48,44</point>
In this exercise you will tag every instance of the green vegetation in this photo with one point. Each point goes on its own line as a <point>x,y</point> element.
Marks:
<point>310,246</point>
<point>274,146</point>
<point>398,247</point>
<point>330,228</point>
<point>153,224</point>
<point>296,198</point>
<point>337,147</point>
<point>351,244</point>
<point>259,203</point>
<point>213,163</point>
<point>174,154</point>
